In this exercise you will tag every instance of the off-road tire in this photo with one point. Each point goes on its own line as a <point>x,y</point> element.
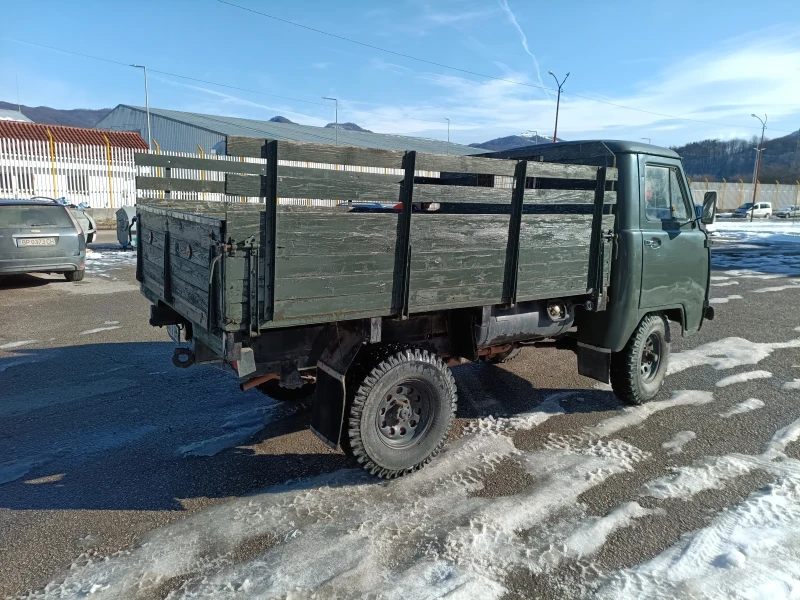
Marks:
<point>362,437</point>
<point>628,381</point>
<point>505,357</point>
<point>273,389</point>
<point>74,275</point>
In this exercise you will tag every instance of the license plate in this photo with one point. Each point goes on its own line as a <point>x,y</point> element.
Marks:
<point>42,241</point>
<point>174,332</point>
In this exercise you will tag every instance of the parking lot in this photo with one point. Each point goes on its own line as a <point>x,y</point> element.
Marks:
<point>122,476</point>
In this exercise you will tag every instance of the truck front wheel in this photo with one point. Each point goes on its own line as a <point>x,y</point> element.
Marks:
<point>400,415</point>
<point>638,370</point>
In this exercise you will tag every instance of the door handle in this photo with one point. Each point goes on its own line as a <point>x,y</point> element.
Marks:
<point>653,243</point>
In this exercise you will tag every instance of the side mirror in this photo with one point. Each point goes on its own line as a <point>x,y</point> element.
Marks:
<point>709,208</point>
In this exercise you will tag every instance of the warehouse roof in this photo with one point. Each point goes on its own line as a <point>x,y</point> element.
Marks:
<point>21,130</point>
<point>307,133</point>
<point>13,115</point>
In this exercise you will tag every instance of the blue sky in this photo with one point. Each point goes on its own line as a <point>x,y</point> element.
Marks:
<point>716,61</point>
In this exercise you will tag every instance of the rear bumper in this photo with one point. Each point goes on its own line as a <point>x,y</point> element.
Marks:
<point>41,265</point>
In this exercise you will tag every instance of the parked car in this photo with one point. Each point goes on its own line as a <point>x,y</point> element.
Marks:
<point>762,210</point>
<point>788,212</point>
<point>85,220</point>
<point>40,236</point>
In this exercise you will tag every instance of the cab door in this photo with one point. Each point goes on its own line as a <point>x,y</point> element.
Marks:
<point>675,256</point>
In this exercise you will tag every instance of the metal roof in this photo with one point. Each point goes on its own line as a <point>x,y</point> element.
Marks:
<point>24,201</point>
<point>613,146</point>
<point>13,115</point>
<point>71,135</point>
<point>307,133</point>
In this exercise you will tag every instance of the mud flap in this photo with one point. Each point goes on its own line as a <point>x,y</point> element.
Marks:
<point>327,413</point>
<point>594,362</point>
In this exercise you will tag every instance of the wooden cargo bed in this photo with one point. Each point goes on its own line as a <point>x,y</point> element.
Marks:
<point>231,266</point>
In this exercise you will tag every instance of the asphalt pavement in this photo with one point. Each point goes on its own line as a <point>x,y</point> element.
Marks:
<point>125,477</point>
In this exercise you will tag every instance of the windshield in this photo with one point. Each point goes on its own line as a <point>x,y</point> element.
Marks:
<point>746,206</point>
<point>21,215</point>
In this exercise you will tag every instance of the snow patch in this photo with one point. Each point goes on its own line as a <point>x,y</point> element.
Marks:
<point>726,299</point>
<point>11,345</point>
<point>99,329</point>
<point>676,443</point>
<point>726,353</point>
<point>743,377</point>
<point>594,531</point>
<point>749,551</point>
<point>724,283</point>
<point>635,415</point>
<point>778,288</point>
<point>748,274</point>
<point>743,407</point>
<point>714,471</point>
<point>549,407</point>
<point>791,385</point>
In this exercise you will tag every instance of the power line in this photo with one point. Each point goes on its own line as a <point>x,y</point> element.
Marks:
<point>477,74</point>
<point>215,83</point>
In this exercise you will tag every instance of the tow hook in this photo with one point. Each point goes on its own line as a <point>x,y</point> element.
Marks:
<point>182,358</point>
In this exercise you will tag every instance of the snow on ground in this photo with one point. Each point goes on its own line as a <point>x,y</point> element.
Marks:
<point>748,551</point>
<point>676,443</point>
<point>771,231</point>
<point>12,345</point>
<point>426,536</point>
<point>743,407</point>
<point>99,329</point>
<point>725,300</point>
<point>727,353</point>
<point>724,283</point>
<point>244,425</point>
<point>743,377</point>
<point>101,263</point>
<point>791,385</point>
<point>793,285</point>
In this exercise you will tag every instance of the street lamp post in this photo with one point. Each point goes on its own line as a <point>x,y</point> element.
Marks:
<point>448,134</point>
<point>146,106</point>
<point>758,163</point>
<point>336,120</point>
<point>648,139</point>
<point>558,102</point>
<point>755,163</point>
<point>535,135</point>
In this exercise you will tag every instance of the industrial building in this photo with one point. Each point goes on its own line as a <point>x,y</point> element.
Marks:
<point>176,131</point>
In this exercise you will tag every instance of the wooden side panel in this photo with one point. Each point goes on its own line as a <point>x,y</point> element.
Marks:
<point>332,264</point>
<point>457,260</point>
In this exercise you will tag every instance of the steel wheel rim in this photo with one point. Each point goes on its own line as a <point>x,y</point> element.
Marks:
<point>405,413</point>
<point>651,357</point>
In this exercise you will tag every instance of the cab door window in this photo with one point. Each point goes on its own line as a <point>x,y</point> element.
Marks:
<point>664,198</point>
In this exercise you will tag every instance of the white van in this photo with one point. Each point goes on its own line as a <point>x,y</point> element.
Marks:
<point>762,210</point>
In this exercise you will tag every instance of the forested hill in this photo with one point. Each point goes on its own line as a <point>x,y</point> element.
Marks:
<point>735,159</point>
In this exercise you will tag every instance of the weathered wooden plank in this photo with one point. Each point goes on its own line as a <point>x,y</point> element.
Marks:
<point>196,234</point>
<point>319,183</point>
<point>173,184</point>
<point>334,264</point>
<point>199,164</point>
<point>333,286</point>
<point>192,296</point>
<point>332,309</point>
<point>441,298</point>
<point>318,153</point>
<point>453,163</point>
<point>184,207</point>
<point>543,196</point>
<point>343,234</point>
<point>424,192</point>
<point>190,272</point>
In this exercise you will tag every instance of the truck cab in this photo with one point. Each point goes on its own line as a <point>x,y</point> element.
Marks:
<point>662,256</point>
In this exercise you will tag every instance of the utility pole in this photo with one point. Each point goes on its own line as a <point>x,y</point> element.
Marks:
<point>336,120</point>
<point>755,164</point>
<point>146,107</point>
<point>558,102</point>
<point>758,163</point>
<point>448,134</point>
<point>19,106</point>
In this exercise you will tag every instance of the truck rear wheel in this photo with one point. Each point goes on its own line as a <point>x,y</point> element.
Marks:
<point>638,370</point>
<point>400,415</point>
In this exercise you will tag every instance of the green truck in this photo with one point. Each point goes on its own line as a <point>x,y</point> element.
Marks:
<point>418,262</point>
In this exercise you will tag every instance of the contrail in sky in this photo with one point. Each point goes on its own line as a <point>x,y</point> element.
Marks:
<point>506,9</point>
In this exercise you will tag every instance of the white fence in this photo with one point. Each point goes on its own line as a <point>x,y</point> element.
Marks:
<point>732,194</point>
<point>79,173</point>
